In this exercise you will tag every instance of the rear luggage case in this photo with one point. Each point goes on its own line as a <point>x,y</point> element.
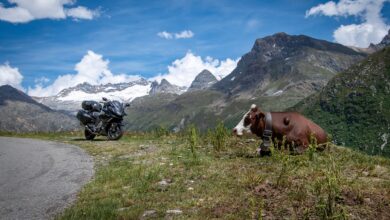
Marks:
<point>91,106</point>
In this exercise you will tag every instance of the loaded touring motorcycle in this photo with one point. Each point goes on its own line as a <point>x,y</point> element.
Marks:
<point>105,120</point>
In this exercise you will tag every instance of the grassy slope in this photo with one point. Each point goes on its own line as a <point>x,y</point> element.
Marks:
<point>169,113</point>
<point>202,108</point>
<point>355,105</point>
<point>230,184</point>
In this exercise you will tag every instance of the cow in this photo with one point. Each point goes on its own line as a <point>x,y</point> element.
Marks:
<point>293,128</point>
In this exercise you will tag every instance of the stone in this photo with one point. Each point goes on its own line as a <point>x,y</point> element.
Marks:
<point>174,211</point>
<point>149,214</point>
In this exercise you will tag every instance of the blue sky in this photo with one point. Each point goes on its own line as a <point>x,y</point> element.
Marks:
<point>126,33</point>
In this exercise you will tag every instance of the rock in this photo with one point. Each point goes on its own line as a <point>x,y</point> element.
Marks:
<point>379,171</point>
<point>142,147</point>
<point>367,200</point>
<point>149,214</point>
<point>174,211</point>
<point>251,140</point>
<point>163,183</point>
<point>123,209</point>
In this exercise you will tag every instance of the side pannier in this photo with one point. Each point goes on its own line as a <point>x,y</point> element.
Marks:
<point>84,117</point>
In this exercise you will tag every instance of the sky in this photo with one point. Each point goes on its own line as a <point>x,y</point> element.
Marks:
<point>49,45</point>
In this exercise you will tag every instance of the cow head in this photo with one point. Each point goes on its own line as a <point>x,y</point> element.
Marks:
<point>248,121</point>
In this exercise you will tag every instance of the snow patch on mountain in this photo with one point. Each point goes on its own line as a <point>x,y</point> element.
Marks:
<point>125,95</point>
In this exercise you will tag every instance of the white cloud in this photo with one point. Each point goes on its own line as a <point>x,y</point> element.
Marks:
<point>181,35</point>
<point>92,69</point>
<point>81,12</point>
<point>372,29</point>
<point>183,71</point>
<point>10,76</point>
<point>184,34</point>
<point>42,80</point>
<point>165,35</point>
<point>27,10</point>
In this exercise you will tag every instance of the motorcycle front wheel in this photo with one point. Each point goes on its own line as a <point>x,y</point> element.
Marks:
<point>114,131</point>
<point>89,135</point>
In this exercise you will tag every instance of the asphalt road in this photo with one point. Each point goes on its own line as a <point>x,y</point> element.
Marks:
<point>38,179</point>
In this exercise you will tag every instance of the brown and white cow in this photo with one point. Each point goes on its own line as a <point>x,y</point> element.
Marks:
<point>296,128</point>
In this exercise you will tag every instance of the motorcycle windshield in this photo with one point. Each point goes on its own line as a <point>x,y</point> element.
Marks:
<point>116,108</point>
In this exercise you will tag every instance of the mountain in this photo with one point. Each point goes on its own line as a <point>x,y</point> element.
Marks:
<point>165,87</point>
<point>21,113</point>
<point>384,43</point>
<point>70,99</point>
<point>277,73</point>
<point>355,105</point>
<point>203,80</point>
<point>281,62</point>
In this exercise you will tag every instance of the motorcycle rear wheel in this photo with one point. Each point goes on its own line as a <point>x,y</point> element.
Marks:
<point>115,132</point>
<point>89,135</point>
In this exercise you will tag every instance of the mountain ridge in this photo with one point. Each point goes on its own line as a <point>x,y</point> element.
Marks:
<point>355,105</point>
<point>21,113</point>
<point>165,87</point>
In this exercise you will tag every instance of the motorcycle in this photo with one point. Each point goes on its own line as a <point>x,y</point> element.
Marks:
<point>105,120</point>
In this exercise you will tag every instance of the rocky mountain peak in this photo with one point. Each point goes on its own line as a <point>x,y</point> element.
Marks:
<point>9,93</point>
<point>165,82</point>
<point>165,87</point>
<point>203,80</point>
<point>384,43</point>
<point>282,45</point>
<point>386,39</point>
<point>287,59</point>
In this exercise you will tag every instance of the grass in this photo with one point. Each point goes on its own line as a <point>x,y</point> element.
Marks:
<point>228,183</point>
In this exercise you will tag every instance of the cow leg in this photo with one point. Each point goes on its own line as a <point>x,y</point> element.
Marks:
<point>302,146</point>
<point>297,145</point>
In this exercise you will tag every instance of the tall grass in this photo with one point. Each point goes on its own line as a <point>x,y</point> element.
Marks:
<point>218,137</point>
<point>192,138</point>
<point>160,131</point>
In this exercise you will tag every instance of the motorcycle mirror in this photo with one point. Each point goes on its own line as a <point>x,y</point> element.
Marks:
<point>105,99</point>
